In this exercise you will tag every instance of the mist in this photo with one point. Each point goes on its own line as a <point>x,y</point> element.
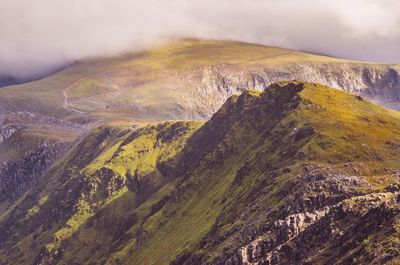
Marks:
<point>38,36</point>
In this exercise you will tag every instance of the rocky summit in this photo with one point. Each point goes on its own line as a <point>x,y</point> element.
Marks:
<point>299,173</point>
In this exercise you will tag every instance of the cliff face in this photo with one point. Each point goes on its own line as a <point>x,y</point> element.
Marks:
<point>213,85</point>
<point>29,144</point>
<point>20,175</point>
<point>346,231</point>
<point>298,174</point>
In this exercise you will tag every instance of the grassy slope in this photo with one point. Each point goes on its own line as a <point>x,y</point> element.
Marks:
<point>78,185</point>
<point>148,196</point>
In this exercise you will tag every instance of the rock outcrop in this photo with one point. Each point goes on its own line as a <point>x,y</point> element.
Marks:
<point>380,84</point>
<point>289,240</point>
<point>18,176</point>
<point>30,144</point>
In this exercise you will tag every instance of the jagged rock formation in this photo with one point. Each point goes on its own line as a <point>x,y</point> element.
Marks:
<point>18,176</point>
<point>377,83</point>
<point>29,144</point>
<point>6,131</point>
<point>298,174</point>
<point>287,240</point>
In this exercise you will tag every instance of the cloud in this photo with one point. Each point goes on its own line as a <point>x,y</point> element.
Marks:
<point>36,36</point>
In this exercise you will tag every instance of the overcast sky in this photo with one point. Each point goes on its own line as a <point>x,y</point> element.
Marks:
<point>38,35</point>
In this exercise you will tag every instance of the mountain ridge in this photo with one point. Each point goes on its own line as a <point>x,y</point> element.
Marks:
<point>187,79</point>
<point>268,178</point>
<point>188,74</point>
<point>97,166</point>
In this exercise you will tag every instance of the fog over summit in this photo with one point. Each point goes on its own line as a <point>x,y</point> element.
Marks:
<point>36,37</point>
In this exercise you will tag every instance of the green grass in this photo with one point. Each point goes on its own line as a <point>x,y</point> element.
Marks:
<point>141,152</point>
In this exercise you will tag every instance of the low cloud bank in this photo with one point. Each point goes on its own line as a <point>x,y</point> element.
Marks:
<point>37,36</point>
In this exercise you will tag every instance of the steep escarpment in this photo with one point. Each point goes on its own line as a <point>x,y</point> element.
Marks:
<point>18,176</point>
<point>378,83</point>
<point>29,144</point>
<point>298,174</point>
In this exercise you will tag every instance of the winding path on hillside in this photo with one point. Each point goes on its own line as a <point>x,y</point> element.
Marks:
<point>66,104</point>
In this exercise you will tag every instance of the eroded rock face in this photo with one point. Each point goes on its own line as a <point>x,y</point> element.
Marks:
<point>288,240</point>
<point>211,86</point>
<point>330,209</point>
<point>261,250</point>
<point>29,144</point>
<point>6,131</point>
<point>17,176</point>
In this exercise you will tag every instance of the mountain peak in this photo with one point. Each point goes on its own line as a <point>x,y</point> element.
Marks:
<point>340,122</point>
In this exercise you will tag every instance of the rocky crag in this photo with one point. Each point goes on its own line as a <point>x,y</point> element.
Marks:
<point>29,144</point>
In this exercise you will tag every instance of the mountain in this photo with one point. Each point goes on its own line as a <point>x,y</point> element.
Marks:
<point>189,79</point>
<point>181,80</point>
<point>96,151</point>
<point>298,174</point>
